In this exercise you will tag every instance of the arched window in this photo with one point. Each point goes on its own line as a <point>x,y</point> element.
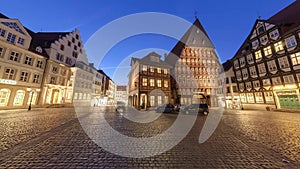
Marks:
<point>34,96</point>
<point>19,98</point>
<point>4,97</point>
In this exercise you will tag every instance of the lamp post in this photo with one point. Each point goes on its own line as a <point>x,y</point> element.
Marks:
<point>29,90</point>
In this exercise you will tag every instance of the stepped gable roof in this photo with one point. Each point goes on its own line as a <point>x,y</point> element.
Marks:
<point>194,36</point>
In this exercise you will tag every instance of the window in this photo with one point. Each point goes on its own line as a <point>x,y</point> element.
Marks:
<point>290,42</point>
<point>39,64</point>
<point>69,61</point>
<point>245,73</point>
<point>28,60</point>
<point>250,97</point>
<point>258,55</point>
<point>256,84</point>
<point>241,86</point>
<point>283,62</point>
<point>2,32</point>
<point>242,61</point>
<point>238,75</point>
<point>59,57</point>
<point>264,39</point>
<point>261,68</point>
<point>1,52</point>
<point>75,47</point>
<point>19,98</point>
<point>79,44</point>
<point>298,77</point>
<point>295,58</point>
<point>14,56</point>
<point>288,79</point>
<point>52,80</point>
<point>11,38</point>
<point>266,82</point>
<point>63,72</point>
<point>144,68</point>
<point>269,97</point>
<point>36,78</point>
<point>33,99</point>
<point>77,36</point>
<point>9,74</point>
<point>166,99</point>
<point>165,71</point>
<point>272,66</point>
<point>259,97</point>
<point>252,71</point>
<point>250,58</point>
<point>54,69</point>
<point>166,83</point>
<point>4,97</point>
<point>274,34</point>
<point>73,40</point>
<point>158,70</point>
<point>21,41</point>
<point>24,76</point>
<point>267,51</point>
<point>62,47</point>
<point>261,29</point>
<point>145,82</point>
<point>158,83</point>
<point>69,43</point>
<point>152,82</point>
<point>159,100</point>
<point>236,64</point>
<point>152,69</point>
<point>248,85</point>
<point>75,54</point>
<point>276,81</point>
<point>255,43</point>
<point>152,100</point>
<point>278,46</point>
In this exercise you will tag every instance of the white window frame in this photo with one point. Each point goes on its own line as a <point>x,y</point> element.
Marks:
<point>291,41</point>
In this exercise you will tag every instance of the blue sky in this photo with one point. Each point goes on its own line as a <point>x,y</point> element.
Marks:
<point>227,22</point>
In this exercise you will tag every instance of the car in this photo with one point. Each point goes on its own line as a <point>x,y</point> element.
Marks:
<point>166,108</point>
<point>196,108</point>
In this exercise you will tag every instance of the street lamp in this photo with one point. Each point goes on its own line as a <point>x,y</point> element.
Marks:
<point>29,90</point>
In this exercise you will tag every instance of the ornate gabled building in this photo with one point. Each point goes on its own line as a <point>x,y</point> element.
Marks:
<point>267,65</point>
<point>149,82</point>
<point>195,65</point>
<point>63,49</point>
<point>21,65</point>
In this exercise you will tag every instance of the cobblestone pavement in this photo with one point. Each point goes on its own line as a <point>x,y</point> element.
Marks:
<point>243,139</point>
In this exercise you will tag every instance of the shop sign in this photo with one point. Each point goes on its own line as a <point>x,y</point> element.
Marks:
<point>6,81</point>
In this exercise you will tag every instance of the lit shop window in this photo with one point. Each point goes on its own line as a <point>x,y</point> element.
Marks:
<point>259,97</point>
<point>19,98</point>
<point>4,97</point>
<point>278,46</point>
<point>34,96</point>
<point>269,97</point>
<point>166,99</point>
<point>250,98</point>
<point>152,100</point>
<point>159,100</point>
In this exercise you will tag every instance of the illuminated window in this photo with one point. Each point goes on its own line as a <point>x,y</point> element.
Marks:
<point>75,96</point>
<point>295,58</point>
<point>272,66</point>
<point>4,97</point>
<point>11,38</point>
<point>269,97</point>
<point>165,71</point>
<point>259,97</point>
<point>158,83</point>
<point>159,100</point>
<point>278,46</point>
<point>152,69</point>
<point>145,82</point>
<point>258,54</point>
<point>144,68</point>
<point>283,62</point>
<point>152,100</point>
<point>34,97</point>
<point>24,76</point>
<point>14,56</point>
<point>250,98</point>
<point>19,98</point>
<point>166,99</point>
<point>9,74</point>
<point>267,51</point>
<point>28,60</point>
<point>152,82</point>
<point>290,42</point>
<point>52,80</point>
<point>158,70</point>
<point>166,83</point>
